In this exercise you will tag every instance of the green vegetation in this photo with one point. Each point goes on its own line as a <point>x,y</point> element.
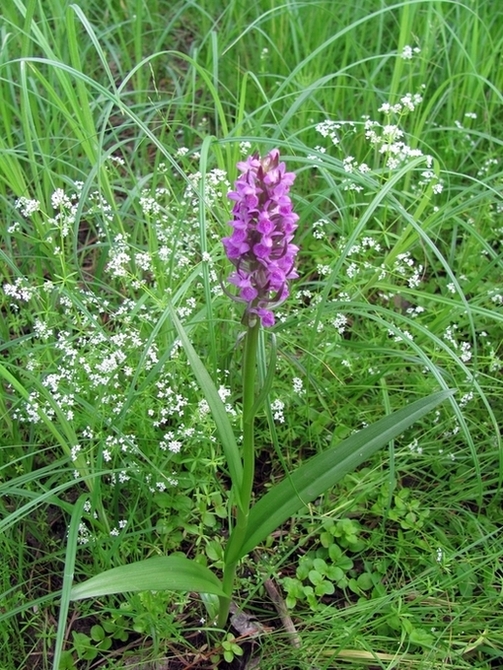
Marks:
<point>121,126</point>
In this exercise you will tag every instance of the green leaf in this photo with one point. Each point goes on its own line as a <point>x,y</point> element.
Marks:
<point>365,581</point>
<point>217,407</point>
<point>324,470</point>
<point>161,573</point>
<point>97,633</point>
<point>335,573</point>
<point>315,577</point>
<point>324,588</point>
<point>421,637</point>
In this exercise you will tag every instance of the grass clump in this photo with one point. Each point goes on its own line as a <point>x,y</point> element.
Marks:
<point>121,129</point>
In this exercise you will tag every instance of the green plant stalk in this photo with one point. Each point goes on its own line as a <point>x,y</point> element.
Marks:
<point>248,455</point>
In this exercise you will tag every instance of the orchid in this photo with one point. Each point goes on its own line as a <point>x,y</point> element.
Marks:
<point>260,246</point>
<point>262,251</point>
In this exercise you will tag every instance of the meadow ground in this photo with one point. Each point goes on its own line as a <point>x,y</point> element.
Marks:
<point>122,124</point>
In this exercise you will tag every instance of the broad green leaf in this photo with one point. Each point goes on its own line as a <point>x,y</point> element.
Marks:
<point>217,407</point>
<point>324,470</point>
<point>160,573</point>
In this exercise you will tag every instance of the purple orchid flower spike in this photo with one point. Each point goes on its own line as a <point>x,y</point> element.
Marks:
<point>260,246</point>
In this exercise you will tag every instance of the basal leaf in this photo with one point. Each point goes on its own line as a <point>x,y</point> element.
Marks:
<point>160,573</point>
<point>324,470</point>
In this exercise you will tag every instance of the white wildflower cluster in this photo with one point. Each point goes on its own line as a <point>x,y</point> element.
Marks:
<point>186,310</point>
<point>98,353</point>
<point>429,177</point>
<point>151,204</point>
<point>414,311</point>
<point>407,103</point>
<point>277,407</point>
<point>465,399</point>
<point>161,485</point>
<point>487,166</point>
<point>125,444</point>
<point>400,335</point>
<point>90,359</point>
<point>330,129</point>
<point>75,451</point>
<point>340,322</point>
<point>172,402</point>
<point>66,206</point>
<point>224,394</point>
<point>94,208</point>
<point>408,52</point>
<point>496,297</point>
<point>119,478</point>
<point>319,229</point>
<point>352,270</point>
<point>495,362</point>
<point>177,245</point>
<point>27,207</point>
<point>170,443</point>
<point>182,151</point>
<point>298,386</point>
<point>143,260</point>
<point>42,330</point>
<point>414,447</point>
<point>216,186</point>
<point>365,255</point>
<point>172,408</point>
<point>115,532</point>
<point>366,243</point>
<point>388,138</point>
<point>405,266</point>
<point>119,258</point>
<point>20,291</point>
<point>117,160</point>
<point>305,296</point>
<point>84,534</point>
<point>323,270</point>
<point>245,148</point>
<point>464,348</point>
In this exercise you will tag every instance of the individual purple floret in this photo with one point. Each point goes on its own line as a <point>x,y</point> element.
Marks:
<point>261,246</point>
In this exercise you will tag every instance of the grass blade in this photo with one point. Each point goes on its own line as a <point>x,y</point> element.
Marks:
<point>217,407</point>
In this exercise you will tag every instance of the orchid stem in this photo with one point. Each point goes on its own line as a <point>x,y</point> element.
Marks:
<point>243,508</point>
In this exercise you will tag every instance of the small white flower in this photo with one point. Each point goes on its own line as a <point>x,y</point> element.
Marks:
<point>60,199</point>
<point>203,407</point>
<point>174,446</point>
<point>339,323</point>
<point>277,407</point>
<point>27,207</point>
<point>244,147</point>
<point>298,385</point>
<point>407,52</point>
